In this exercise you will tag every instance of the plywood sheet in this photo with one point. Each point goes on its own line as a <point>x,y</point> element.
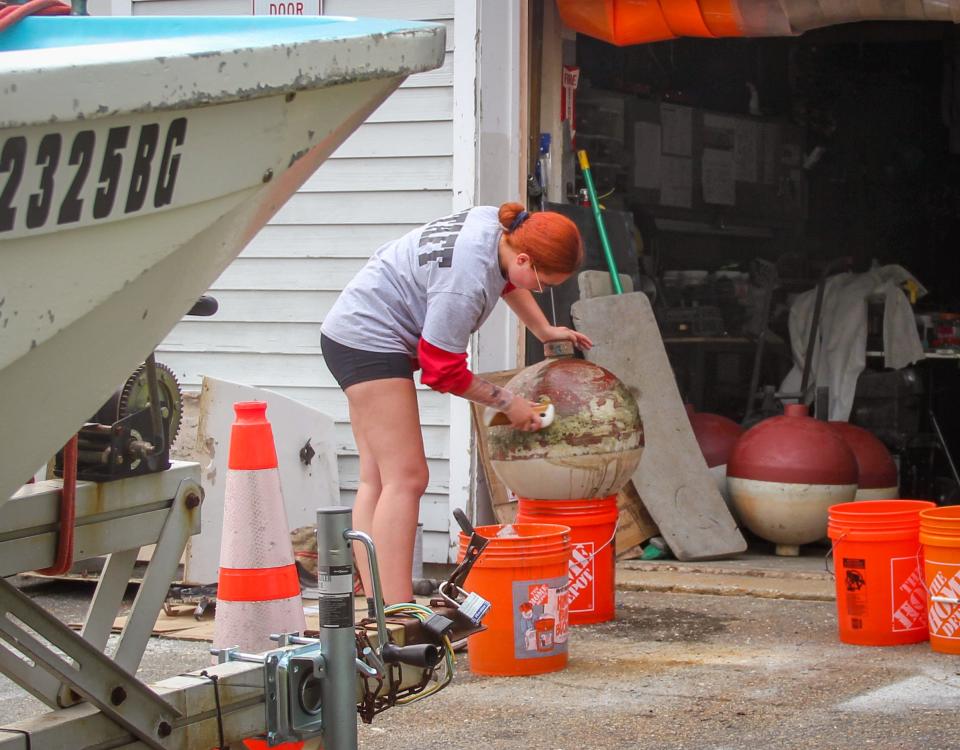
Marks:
<point>672,478</point>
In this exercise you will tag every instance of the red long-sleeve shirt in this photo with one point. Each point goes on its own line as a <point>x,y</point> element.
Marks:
<point>445,371</point>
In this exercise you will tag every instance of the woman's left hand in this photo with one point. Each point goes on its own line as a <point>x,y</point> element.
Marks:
<point>562,333</point>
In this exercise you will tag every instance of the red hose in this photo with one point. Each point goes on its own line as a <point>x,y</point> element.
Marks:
<point>10,14</point>
<point>68,511</point>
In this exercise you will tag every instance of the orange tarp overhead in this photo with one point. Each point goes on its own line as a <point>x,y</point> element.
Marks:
<point>685,18</point>
<point>617,21</point>
<point>624,22</point>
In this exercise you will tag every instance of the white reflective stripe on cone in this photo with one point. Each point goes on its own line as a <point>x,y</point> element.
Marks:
<point>255,531</point>
<point>249,624</point>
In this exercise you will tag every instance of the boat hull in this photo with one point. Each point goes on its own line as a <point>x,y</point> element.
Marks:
<point>83,302</point>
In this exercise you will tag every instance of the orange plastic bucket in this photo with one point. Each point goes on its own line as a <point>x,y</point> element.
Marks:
<point>876,550</point>
<point>524,577</point>
<point>940,537</point>
<point>593,524</point>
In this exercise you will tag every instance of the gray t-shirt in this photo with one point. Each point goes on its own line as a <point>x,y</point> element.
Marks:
<point>440,281</point>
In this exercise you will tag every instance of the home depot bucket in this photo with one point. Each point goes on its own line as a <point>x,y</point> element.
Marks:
<point>940,537</point>
<point>593,524</point>
<point>523,574</point>
<point>876,551</point>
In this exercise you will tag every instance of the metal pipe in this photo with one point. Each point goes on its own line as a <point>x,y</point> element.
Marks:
<point>367,542</point>
<point>946,448</point>
<point>338,689</point>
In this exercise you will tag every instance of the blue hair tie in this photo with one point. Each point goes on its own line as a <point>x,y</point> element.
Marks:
<point>521,217</point>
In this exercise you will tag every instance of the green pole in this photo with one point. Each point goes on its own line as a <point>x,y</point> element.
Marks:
<point>598,217</point>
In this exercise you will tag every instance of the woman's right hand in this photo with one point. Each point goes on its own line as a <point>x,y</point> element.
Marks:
<point>524,415</point>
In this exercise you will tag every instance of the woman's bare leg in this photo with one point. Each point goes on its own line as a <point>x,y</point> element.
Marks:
<point>386,423</point>
<point>368,493</point>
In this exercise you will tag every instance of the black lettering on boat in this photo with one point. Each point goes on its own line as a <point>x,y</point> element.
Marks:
<point>12,159</point>
<point>48,156</point>
<point>33,173</point>
<point>81,154</point>
<point>110,171</point>
<point>143,156</point>
<point>170,163</point>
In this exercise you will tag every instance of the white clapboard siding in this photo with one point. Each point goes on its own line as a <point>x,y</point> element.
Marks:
<point>322,241</point>
<point>434,407</point>
<point>250,338</point>
<point>384,174</point>
<point>259,369</point>
<point>360,207</point>
<point>288,273</point>
<point>266,306</point>
<point>436,442</point>
<point>386,139</point>
<point>392,175</point>
<point>412,10</point>
<point>416,104</point>
<point>439,476</point>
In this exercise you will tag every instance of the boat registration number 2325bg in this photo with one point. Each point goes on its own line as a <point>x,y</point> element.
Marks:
<point>54,179</point>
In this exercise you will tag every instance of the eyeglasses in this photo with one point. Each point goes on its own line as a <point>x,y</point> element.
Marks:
<point>539,285</point>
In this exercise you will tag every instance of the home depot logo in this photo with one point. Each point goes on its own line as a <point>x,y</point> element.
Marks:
<point>909,598</point>
<point>944,617</point>
<point>580,590</point>
<point>538,594</point>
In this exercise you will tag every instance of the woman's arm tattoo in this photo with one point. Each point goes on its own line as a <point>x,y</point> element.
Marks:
<point>484,392</point>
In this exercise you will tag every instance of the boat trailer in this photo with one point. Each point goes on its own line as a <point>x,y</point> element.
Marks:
<point>311,686</point>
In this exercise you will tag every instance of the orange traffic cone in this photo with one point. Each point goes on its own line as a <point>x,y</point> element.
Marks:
<point>258,591</point>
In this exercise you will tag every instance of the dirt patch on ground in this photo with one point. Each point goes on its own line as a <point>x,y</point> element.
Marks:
<point>665,624</point>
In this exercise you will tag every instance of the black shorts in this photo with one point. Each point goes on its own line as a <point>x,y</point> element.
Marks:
<point>351,366</point>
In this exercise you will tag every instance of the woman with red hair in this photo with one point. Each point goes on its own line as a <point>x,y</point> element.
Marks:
<point>415,305</point>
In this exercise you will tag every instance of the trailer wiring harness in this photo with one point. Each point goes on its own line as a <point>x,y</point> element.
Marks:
<point>375,699</point>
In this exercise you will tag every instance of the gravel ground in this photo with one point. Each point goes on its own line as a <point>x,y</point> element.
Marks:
<point>705,672</point>
<point>672,671</point>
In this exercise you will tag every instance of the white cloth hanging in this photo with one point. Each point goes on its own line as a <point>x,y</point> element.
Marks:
<point>839,354</point>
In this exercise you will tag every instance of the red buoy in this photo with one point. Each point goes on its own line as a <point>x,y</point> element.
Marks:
<point>716,435</point>
<point>876,469</point>
<point>785,473</point>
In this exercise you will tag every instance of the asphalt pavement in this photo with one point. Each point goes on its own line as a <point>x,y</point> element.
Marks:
<point>718,656</point>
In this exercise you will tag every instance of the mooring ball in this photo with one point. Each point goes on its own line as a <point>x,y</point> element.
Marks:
<point>877,472</point>
<point>593,446</point>
<point>784,474</point>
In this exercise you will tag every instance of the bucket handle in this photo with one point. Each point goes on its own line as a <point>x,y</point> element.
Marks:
<point>606,544</point>
<point>826,557</point>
